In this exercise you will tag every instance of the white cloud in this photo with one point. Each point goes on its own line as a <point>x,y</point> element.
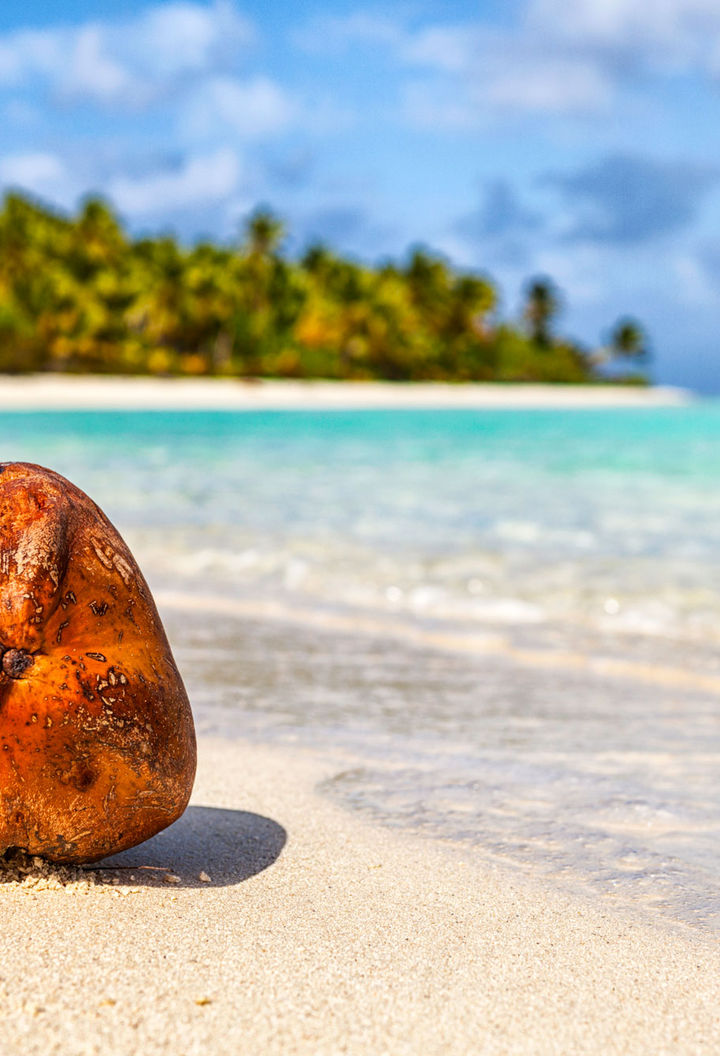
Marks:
<point>615,35</point>
<point>510,72</point>
<point>448,48</point>
<point>666,37</point>
<point>683,31</point>
<point>543,85</point>
<point>176,38</point>
<point>557,58</point>
<point>200,180</point>
<point>37,172</point>
<point>25,54</point>
<point>465,95</point>
<point>92,71</point>
<point>474,71</point>
<point>246,109</point>
<point>128,61</point>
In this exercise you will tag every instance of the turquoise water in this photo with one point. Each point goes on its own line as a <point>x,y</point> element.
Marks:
<point>609,517</point>
<point>505,623</point>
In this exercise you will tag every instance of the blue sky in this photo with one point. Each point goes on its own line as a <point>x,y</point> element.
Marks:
<point>519,138</point>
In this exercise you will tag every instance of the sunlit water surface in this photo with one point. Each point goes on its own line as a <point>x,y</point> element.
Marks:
<point>505,623</point>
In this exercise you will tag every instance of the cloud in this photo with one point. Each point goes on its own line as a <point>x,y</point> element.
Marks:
<point>130,61</point>
<point>37,172</point>
<point>539,87</point>
<point>472,70</point>
<point>545,85</point>
<point>629,200</point>
<point>185,37</point>
<point>501,213</point>
<point>667,34</point>
<point>502,228</point>
<point>46,175</point>
<point>552,59</point>
<point>245,109</point>
<point>93,72</point>
<point>199,180</point>
<point>491,73</point>
<point>24,54</point>
<point>448,48</point>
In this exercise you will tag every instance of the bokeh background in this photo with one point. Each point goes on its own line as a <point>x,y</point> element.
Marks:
<point>518,138</point>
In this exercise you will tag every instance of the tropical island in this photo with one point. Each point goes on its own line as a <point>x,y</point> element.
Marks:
<point>80,295</point>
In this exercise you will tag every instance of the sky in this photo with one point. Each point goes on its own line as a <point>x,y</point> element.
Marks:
<point>519,138</point>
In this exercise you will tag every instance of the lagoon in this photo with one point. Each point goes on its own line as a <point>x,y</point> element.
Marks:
<point>502,624</point>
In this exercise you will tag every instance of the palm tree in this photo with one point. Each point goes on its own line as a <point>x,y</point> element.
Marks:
<point>628,340</point>
<point>79,293</point>
<point>428,277</point>
<point>264,232</point>
<point>473,299</point>
<point>542,304</point>
<point>317,259</point>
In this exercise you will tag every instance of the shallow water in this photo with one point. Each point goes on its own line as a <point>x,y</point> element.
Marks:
<point>505,622</point>
<point>606,517</point>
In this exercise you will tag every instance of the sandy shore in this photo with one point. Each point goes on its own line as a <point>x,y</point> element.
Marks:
<point>58,392</point>
<point>319,934</point>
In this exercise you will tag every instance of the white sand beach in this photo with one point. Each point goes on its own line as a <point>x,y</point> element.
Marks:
<point>312,932</point>
<point>86,392</point>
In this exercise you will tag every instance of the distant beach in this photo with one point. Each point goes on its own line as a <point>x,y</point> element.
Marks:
<point>97,392</point>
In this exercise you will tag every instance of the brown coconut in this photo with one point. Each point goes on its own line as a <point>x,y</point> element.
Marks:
<point>97,746</point>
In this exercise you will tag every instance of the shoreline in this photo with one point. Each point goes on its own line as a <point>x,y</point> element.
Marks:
<point>97,392</point>
<point>490,641</point>
<point>317,933</point>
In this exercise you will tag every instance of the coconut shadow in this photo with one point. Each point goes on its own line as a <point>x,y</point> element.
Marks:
<point>229,846</point>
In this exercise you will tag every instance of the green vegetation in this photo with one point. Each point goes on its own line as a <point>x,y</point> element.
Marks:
<point>77,294</point>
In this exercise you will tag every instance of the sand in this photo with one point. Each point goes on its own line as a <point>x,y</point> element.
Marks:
<point>62,392</point>
<point>317,933</point>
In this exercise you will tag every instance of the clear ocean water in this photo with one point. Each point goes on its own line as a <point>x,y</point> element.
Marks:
<point>504,624</point>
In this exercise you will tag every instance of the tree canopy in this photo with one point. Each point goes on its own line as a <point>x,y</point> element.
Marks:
<point>79,294</point>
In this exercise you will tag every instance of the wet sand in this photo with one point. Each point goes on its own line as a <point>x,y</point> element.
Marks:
<point>312,932</point>
<point>87,392</point>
